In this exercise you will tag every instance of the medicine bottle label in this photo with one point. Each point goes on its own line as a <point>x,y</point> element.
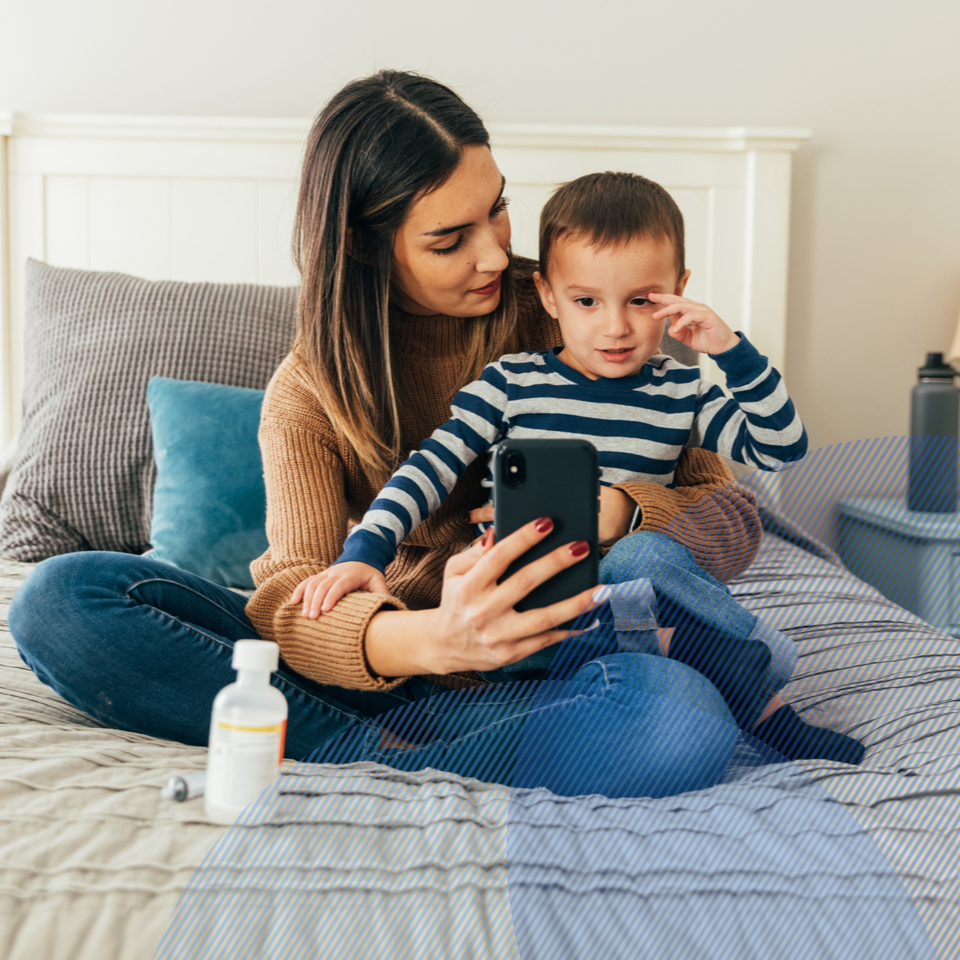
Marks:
<point>243,761</point>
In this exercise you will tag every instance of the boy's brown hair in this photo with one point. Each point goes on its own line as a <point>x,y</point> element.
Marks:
<point>610,208</point>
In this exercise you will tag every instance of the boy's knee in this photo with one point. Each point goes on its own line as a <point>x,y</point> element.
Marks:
<point>641,554</point>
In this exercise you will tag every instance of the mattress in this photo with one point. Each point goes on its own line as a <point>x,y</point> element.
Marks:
<point>811,859</point>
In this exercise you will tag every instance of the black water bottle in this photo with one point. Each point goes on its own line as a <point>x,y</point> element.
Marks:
<point>934,414</point>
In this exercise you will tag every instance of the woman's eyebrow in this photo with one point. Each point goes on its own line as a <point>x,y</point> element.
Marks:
<point>443,231</point>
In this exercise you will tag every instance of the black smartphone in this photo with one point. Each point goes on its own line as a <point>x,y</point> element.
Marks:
<point>559,479</point>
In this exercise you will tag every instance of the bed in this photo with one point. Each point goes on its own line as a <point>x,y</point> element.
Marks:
<point>793,860</point>
<point>366,861</point>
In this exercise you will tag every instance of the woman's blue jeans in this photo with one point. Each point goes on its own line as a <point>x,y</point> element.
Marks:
<point>144,646</point>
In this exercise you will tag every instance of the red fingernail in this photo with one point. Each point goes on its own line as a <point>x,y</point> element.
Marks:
<point>543,525</point>
<point>579,548</point>
<point>487,536</point>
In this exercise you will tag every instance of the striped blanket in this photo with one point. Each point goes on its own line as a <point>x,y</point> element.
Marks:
<point>789,860</point>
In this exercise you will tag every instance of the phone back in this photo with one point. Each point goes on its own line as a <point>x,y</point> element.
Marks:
<point>559,479</point>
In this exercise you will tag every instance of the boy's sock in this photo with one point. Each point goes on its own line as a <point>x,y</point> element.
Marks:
<point>737,670</point>
<point>796,740</point>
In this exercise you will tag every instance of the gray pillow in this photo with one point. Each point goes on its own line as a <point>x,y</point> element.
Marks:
<point>84,472</point>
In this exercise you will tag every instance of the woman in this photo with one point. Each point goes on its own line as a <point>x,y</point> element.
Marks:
<point>407,289</point>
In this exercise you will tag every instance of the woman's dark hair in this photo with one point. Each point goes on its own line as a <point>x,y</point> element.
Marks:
<point>379,145</point>
<point>610,208</point>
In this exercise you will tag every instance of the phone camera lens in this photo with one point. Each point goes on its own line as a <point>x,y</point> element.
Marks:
<point>514,469</point>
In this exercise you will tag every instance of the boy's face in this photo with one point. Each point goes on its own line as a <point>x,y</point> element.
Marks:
<point>598,297</point>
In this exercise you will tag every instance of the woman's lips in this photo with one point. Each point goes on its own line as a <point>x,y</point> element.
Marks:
<point>617,356</point>
<point>489,289</point>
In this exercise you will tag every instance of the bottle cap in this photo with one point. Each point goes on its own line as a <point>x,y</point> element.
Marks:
<point>936,369</point>
<point>255,655</point>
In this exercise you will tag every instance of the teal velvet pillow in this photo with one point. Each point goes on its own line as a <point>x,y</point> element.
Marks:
<point>209,502</point>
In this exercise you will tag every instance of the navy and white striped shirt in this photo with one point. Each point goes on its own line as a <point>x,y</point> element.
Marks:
<point>639,425</point>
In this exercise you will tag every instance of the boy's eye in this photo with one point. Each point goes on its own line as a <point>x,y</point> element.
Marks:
<point>585,301</point>
<point>640,301</point>
<point>451,248</point>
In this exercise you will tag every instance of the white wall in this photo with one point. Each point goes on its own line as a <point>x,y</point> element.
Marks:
<point>875,257</point>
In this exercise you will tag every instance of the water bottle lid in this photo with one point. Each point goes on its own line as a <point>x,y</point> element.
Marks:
<point>255,655</point>
<point>936,369</point>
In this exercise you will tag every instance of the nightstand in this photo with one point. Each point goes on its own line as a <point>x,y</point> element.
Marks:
<point>912,558</point>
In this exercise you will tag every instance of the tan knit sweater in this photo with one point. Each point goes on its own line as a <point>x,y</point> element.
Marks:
<point>315,484</point>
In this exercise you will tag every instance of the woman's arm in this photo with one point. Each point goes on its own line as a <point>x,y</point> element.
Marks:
<point>307,517</point>
<point>707,511</point>
<point>474,628</point>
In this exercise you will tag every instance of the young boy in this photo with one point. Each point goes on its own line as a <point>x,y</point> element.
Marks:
<point>611,272</point>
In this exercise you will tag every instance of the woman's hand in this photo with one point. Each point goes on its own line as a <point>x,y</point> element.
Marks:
<point>475,627</point>
<point>320,592</point>
<point>616,511</point>
<point>476,619</point>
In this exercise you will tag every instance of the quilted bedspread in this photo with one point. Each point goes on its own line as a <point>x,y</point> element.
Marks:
<point>786,860</point>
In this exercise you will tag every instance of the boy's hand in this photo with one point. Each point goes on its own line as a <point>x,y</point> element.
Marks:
<point>694,324</point>
<point>319,593</point>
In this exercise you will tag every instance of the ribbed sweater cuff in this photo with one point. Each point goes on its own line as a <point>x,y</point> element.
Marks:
<point>742,363</point>
<point>330,649</point>
<point>657,505</point>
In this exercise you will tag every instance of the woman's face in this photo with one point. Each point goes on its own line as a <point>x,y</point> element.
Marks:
<point>452,248</point>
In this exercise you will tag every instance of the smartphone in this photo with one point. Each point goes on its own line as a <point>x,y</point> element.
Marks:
<point>559,479</point>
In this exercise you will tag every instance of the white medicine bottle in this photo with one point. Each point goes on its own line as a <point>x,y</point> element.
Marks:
<point>247,731</point>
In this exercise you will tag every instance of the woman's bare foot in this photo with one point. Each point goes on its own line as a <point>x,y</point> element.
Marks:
<point>390,741</point>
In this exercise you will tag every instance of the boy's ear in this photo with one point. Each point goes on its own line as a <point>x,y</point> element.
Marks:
<point>546,294</point>
<point>681,284</point>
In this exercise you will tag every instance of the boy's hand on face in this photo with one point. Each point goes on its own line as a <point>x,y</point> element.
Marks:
<point>694,324</point>
<point>320,592</point>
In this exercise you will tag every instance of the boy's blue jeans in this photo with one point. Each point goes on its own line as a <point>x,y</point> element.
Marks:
<point>144,646</point>
<point>655,582</point>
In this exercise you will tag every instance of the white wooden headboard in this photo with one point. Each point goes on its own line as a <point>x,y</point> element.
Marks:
<point>201,198</point>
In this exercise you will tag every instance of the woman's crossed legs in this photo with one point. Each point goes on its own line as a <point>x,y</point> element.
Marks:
<point>144,646</point>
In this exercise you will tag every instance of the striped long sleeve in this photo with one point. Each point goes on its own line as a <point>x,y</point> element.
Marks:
<point>423,481</point>
<point>759,425</point>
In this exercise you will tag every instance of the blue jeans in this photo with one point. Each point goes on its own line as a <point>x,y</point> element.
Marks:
<point>143,646</point>
<point>656,581</point>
